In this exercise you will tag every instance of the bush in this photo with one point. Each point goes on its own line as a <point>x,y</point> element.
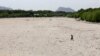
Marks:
<point>23,13</point>
<point>92,15</point>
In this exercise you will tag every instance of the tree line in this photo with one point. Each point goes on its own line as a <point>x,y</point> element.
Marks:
<point>30,13</point>
<point>90,14</point>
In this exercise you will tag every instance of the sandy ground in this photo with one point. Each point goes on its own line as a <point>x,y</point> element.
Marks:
<point>48,37</point>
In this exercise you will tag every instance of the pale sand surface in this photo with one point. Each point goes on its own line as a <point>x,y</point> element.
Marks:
<point>48,37</point>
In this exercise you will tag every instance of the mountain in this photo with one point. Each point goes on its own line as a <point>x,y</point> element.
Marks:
<point>5,8</point>
<point>65,9</point>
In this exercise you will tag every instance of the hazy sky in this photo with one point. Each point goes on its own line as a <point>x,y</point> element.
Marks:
<point>49,4</point>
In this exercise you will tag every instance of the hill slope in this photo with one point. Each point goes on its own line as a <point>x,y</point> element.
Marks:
<point>5,8</point>
<point>65,9</point>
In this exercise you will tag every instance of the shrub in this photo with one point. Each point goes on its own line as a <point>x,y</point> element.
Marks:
<point>92,15</point>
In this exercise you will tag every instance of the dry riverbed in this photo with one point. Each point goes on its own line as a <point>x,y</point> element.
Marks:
<point>48,37</point>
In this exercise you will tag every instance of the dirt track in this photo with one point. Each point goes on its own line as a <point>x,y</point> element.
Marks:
<point>48,37</point>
